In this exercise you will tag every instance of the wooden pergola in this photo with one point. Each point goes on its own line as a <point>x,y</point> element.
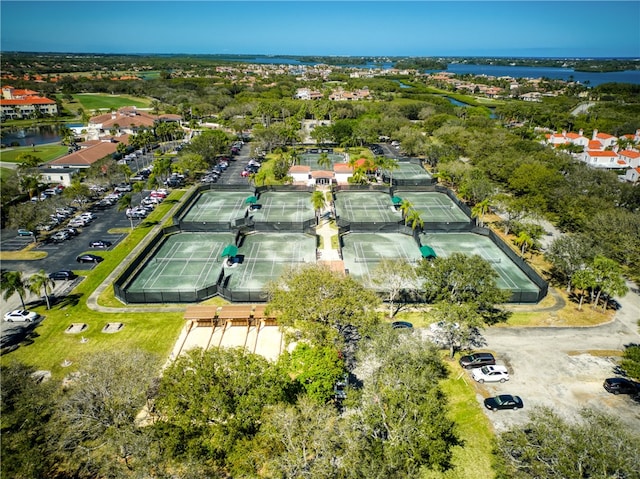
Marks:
<point>236,314</point>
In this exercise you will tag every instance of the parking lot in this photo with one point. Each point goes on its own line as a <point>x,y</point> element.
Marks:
<point>563,368</point>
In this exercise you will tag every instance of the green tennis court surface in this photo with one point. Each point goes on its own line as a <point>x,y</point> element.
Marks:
<point>434,207</point>
<point>218,206</point>
<point>366,207</point>
<point>184,262</point>
<point>311,159</point>
<point>283,206</point>
<point>408,171</point>
<point>510,277</point>
<point>362,252</point>
<point>264,256</point>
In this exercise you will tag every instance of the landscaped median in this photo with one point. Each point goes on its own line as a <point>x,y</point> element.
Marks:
<point>49,347</point>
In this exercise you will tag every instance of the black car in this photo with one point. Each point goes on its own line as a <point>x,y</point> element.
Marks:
<point>401,325</point>
<point>63,274</point>
<point>477,360</point>
<point>100,244</point>
<point>89,258</point>
<point>504,401</point>
<point>621,386</point>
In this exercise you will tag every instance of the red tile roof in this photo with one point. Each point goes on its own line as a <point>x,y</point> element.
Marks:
<point>629,153</point>
<point>87,156</point>
<point>594,145</point>
<point>602,153</point>
<point>300,169</point>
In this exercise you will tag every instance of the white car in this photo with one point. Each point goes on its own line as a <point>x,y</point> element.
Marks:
<point>21,315</point>
<point>490,374</point>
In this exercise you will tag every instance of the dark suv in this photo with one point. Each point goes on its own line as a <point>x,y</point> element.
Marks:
<point>477,360</point>
<point>63,274</point>
<point>621,386</point>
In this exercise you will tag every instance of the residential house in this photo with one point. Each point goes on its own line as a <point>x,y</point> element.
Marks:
<point>608,141</point>
<point>308,94</point>
<point>603,159</point>
<point>342,172</point>
<point>18,104</point>
<point>632,175</point>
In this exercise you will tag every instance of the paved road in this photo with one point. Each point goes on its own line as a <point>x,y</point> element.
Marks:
<point>559,367</point>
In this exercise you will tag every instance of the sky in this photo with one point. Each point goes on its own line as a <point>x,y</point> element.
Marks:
<point>347,28</point>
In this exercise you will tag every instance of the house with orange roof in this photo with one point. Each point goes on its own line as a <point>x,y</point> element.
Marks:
<point>604,138</point>
<point>89,152</point>
<point>126,120</point>
<point>19,104</point>
<point>633,175</point>
<point>632,157</point>
<point>342,172</point>
<point>603,159</point>
<point>301,175</point>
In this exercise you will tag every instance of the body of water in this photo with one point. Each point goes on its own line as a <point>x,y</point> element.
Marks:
<point>35,135</point>
<point>566,74</point>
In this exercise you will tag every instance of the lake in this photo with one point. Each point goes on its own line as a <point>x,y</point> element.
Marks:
<point>566,74</point>
<point>35,135</point>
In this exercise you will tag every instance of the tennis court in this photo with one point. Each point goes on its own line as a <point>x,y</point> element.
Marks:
<point>408,171</point>
<point>510,276</point>
<point>184,262</point>
<point>362,252</point>
<point>366,207</point>
<point>264,256</point>
<point>434,206</point>
<point>283,206</point>
<point>311,160</point>
<point>218,206</point>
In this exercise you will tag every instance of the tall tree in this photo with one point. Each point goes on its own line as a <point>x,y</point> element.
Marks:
<point>324,161</point>
<point>332,303</point>
<point>400,425</point>
<point>95,425</point>
<point>124,204</point>
<point>13,282</point>
<point>598,446</point>
<point>41,283</point>
<point>318,202</point>
<point>568,254</point>
<point>397,280</point>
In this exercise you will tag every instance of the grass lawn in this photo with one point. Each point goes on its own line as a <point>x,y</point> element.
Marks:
<point>5,172</point>
<point>48,345</point>
<point>96,101</point>
<point>44,152</point>
<point>473,459</point>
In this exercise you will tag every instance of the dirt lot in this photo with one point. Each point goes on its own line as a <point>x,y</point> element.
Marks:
<point>562,367</point>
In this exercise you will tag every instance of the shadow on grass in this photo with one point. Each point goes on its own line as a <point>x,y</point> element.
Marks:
<point>66,301</point>
<point>18,336</point>
<point>149,224</point>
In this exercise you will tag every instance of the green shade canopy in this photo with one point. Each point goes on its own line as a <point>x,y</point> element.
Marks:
<point>251,200</point>
<point>229,250</point>
<point>427,252</point>
<point>396,200</point>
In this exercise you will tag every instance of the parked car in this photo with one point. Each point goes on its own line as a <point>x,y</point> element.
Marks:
<point>477,360</point>
<point>60,236</point>
<point>89,258</point>
<point>24,232</point>
<point>489,374</point>
<point>504,401</point>
<point>89,215</point>
<point>78,222</point>
<point>123,188</point>
<point>72,231</point>
<point>100,244</point>
<point>63,275</point>
<point>21,315</point>
<point>621,386</point>
<point>401,325</point>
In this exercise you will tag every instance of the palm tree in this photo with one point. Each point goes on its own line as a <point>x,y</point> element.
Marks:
<point>405,207</point>
<point>583,280</point>
<point>40,282</point>
<point>524,241</point>
<point>324,161</point>
<point>319,202</point>
<point>479,210</point>
<point>124,204</point>
<point>414,219</point>
<point>13,282</point>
